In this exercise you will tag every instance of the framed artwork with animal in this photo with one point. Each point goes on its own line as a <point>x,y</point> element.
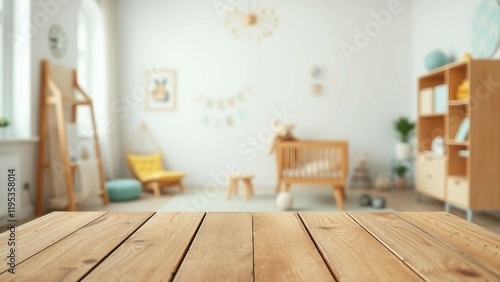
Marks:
<point>160,89</point>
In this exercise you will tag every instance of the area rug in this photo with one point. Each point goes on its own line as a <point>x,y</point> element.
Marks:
<point>263,201</point>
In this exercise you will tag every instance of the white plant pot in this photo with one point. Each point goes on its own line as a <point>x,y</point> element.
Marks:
<point>403,151</point>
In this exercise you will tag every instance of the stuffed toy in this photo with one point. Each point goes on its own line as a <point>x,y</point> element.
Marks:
<point>282,132</point>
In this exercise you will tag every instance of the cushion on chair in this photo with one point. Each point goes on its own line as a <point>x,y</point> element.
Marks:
<point>123,189</point>
<point>150,168</point>
<point>164,176</point>
<point>143,165</point>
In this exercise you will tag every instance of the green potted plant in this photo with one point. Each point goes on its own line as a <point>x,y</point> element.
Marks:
<point>405,130</point>
<point>400,171</point>
<point>4,122</point>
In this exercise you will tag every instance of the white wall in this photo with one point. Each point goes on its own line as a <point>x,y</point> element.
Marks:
<point>446,27</point>
<point>360,100</point>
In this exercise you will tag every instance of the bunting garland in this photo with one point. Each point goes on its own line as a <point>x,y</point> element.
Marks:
<point>224,112</point>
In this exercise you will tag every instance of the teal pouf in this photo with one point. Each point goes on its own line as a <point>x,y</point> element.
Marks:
<point>120,190</point>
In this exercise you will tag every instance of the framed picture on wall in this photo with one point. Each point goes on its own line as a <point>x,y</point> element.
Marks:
<point>160,90</point>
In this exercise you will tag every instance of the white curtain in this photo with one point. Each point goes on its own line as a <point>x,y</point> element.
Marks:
<point>107,123</point>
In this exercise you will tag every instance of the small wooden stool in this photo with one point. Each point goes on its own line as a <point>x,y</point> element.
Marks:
<point>233,185</point>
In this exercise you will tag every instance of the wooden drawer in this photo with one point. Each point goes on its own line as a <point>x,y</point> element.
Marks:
<point>457,191</point>
<point>430,176</point>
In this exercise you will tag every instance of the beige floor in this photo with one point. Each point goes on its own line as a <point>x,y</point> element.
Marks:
<point>401,200</point>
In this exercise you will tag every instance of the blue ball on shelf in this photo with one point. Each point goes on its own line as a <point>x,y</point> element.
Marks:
<point>436,59</point>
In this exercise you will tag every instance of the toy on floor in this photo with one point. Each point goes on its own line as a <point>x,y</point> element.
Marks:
<point>284,201</point>
<point>148,168</point>
<point>383,182</point>
<point>282,132</point>
<point>365,200</point>
<point>378,202</point>
<point>361,176</point>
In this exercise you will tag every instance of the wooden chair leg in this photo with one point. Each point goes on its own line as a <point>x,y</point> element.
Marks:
<point>287,187</point>
<point>246,193</point>
<point>278,187</point>
<point>248,188</point>
<point>181,187</point>
<point>344,194</point>
<point>339,198</point>
<point>156,189</point>
<point>230,189</point>
<point>236,186</point>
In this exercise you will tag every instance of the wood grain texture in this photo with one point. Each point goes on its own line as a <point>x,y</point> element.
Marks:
<point>283,250</point>
<point>221,251</point>
<point>37,235</point>
<point>468,238</point>
<point>430,258</point>
<point>346,246</point>
<point>152,253</point>
<point>484,135</point>
<point>72,257</point>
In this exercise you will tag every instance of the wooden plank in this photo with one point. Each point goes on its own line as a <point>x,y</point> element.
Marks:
<point>53,227</point>
<point>346,246</point>
<point>152,253</point>
<point>470,239</point>
<point>221,251</point>
<point>283,251</point>
<point>430,258</point>
<point>72,257</point>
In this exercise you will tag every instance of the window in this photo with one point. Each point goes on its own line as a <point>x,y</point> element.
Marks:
<point>89,73</point>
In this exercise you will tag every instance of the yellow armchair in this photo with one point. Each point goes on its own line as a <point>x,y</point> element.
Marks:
<point>149,170</point>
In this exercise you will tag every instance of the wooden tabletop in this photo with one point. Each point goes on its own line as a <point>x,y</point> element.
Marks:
<point>309,246</point>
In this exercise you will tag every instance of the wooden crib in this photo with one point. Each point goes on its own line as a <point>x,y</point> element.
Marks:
<point>314,162</point>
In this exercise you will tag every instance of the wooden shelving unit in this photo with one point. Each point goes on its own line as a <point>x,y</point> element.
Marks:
<point>470,183</point>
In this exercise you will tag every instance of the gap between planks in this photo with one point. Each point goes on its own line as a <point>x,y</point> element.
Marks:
<point>40,220</point>
<point>114,249</point>
<point>146,243</point>
<point>222,249</point>
<point>450,263</point>
<point>343,223</point>
<point>74,257</point>
<point>471,252</point>
<point>316,244</point>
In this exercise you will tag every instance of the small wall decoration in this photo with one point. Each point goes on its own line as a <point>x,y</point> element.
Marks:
<point>160,89</point>
<point>317,77</point>
<point>223,112</point>
<point>256,24</point>
<point>486,29</point>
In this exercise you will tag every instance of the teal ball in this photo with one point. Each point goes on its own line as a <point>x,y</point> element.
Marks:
<point>436,59</point>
